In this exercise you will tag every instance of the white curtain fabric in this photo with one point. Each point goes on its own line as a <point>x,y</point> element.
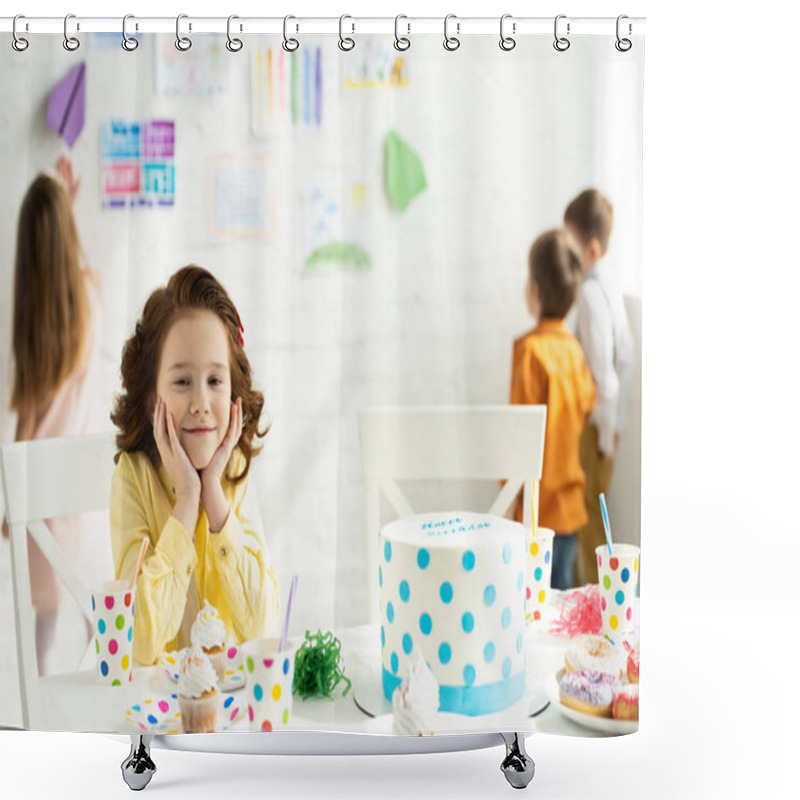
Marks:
<point>505,140</point>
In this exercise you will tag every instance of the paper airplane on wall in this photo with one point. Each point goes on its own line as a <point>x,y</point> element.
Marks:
<point>67,106</point>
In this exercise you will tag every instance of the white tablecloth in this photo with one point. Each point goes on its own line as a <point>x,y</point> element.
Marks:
<point>78,702</point>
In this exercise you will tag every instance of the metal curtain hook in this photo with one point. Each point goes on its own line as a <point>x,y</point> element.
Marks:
<point>451,42</point>
<point>70,42</point>
<point>234,45</point>
<point>128,42</point>
<point>183,43</point>
<point>507,42</point>
<point>346,43</point>
<point>289,44</point>
<point>623,45</point>
<point>561,43</point>
<point>18,43</point>
<point>401,42</point>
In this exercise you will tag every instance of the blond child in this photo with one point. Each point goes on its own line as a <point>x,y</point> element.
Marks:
<point>601,326</point>
<point>55,339</point>
<point>549,368</point>
<point>187,418</point>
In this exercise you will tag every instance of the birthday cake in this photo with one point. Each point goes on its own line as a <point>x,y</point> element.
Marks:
<point>452,587</point>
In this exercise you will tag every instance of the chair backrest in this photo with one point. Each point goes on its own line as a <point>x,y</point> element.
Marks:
<point>447,443</point>
<point>46,478</point>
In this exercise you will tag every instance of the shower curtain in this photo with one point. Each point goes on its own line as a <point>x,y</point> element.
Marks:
<point>370,212</point>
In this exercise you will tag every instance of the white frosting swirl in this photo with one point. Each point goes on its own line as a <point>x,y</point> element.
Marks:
<point>208,629</point>
<point>416,701</point>
<point>197,674</point>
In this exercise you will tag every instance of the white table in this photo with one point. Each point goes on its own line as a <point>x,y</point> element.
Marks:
<point>78,702</point>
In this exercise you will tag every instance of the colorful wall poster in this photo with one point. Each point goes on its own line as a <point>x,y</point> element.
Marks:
<point>335,228</point>
<point>201,70</point>
<point>286,90</point>
<point>138,163</point>
<point>241,193</point>
<point>375,65</point>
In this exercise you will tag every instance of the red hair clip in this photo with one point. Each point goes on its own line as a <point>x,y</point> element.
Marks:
<point>241,329</point>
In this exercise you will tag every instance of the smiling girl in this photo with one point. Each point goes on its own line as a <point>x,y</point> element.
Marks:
<point>187,418</point>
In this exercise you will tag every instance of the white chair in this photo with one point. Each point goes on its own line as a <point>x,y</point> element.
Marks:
<point>446,443</point>
<point>47,478</point>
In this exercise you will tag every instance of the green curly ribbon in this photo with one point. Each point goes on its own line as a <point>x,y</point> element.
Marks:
<point>318,666</point>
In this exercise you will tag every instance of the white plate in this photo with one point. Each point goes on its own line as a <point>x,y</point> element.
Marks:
<point>370,700</point>
<point>234,671</point>
<point>612,727</point>
<point>369,697</point>
<point>163,714</point>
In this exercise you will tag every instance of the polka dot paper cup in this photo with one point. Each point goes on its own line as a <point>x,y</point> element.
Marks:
<point>539,568</point>
<point>113,605</point>
<point>618,574</point>
<point>270,677</point>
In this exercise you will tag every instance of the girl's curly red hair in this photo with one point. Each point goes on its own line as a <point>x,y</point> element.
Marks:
<point>191,288</point>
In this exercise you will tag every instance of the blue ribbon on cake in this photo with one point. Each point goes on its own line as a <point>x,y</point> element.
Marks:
<point>472,701</point>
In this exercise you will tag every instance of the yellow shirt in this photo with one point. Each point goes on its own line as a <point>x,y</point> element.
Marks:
<point>549,368</point>
<point>231,569</point>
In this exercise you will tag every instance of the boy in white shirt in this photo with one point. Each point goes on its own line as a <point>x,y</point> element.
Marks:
<point>601,326</point>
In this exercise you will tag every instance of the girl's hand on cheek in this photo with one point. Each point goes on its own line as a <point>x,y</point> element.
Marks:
<point>212,497</point>
<point>212,474</point>
<point>185,480</point>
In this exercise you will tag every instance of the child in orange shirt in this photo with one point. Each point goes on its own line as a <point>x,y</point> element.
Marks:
<point>549,368</point>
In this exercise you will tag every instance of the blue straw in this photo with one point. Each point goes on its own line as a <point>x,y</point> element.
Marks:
<point>605,522</point>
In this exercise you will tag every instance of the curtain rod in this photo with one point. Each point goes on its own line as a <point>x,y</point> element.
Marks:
<point>462,26</point>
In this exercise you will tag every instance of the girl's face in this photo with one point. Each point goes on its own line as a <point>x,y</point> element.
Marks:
<point>194,381</point>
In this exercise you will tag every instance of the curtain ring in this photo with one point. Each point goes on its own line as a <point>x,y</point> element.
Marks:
<point>507,42</point>
<point>289,44</point>
<point>346,43</point>
<point>401,42</point>
<point>71,43</point>
<point>183,43</point>
<point>451,43</point>
<point>234,45</point>
<point>18,43</point>
<point>561,43</point>
<point>623,45</point>
<point>128,42</point>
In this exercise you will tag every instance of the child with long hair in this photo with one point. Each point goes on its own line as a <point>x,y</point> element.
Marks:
<point>56,332</point>
<point>187,418</point>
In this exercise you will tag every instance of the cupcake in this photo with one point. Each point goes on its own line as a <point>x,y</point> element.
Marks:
<point>198,695</point>
<point>415,702</point>
<point>208,633</point>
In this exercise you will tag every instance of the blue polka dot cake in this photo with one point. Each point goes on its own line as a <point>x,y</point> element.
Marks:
<point>452,588</point>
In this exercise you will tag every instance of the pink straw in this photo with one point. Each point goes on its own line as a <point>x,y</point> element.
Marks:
<point>145,542</point>
<point>288,612</point>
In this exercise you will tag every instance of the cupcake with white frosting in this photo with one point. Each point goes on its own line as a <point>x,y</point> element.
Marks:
<point>415,701</point>
<point>208,633</point>
<point>198,693</point>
